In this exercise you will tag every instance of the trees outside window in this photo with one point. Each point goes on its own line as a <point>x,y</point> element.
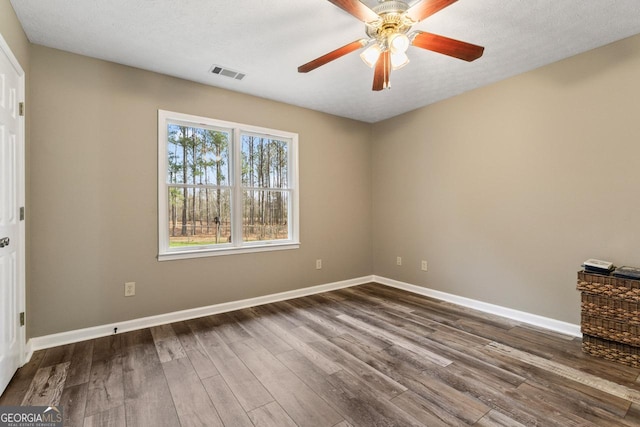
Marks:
<point>224,187</point>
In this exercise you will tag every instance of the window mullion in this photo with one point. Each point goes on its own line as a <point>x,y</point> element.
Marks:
<point>237,202</point>
<point>292,184</point>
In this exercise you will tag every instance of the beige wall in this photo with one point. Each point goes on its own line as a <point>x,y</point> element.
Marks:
<point>13,34</point>
<point>507,189</point>
<point>94,196</point>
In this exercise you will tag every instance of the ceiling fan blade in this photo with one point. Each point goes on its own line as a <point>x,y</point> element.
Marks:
<point>446,46</point>
<point>357,9</point>
<point>335,54</point>
<point>382,72</point>
<point>426,8</point>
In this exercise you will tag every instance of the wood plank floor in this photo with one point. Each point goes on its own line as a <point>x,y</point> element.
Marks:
<point>363,356</point>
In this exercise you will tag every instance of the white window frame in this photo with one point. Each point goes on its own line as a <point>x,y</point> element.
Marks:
<point>237,245</point>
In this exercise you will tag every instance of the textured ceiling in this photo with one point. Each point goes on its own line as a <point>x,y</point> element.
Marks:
<point>268,39</point>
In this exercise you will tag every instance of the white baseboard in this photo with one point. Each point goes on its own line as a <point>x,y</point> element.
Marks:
<point>28,352</point>
<point>62,338</point>
<point>520,316</point>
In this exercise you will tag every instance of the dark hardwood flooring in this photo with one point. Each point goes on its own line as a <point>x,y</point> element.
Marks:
<point>363,356</point>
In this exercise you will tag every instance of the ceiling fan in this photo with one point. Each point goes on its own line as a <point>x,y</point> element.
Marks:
<point>388,27</point>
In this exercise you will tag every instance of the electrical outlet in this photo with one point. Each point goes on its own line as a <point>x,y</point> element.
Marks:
<point>424,265</point>
<point>399,260</point>
<point>318,264</point>
<point>129,289</point>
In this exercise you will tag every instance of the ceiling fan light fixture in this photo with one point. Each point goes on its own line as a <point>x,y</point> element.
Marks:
<point>398,43</point>
<point>399,60</point>
<point>389,35</point>
<point>370,55</point>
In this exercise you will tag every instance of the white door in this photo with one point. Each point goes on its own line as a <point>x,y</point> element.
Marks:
<point>11,225</point>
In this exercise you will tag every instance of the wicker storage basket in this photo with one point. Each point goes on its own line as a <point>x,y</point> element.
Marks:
<point>612,287</point>
<point>610,308</point>
<point>612,330</point>
<point>610,350</point>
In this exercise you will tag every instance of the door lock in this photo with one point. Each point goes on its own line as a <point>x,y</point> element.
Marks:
<point>4,242</point>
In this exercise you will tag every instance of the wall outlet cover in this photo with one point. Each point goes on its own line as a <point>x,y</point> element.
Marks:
<point>129,289</point>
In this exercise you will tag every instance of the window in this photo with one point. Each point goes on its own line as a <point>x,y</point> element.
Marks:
<point>224,187</point>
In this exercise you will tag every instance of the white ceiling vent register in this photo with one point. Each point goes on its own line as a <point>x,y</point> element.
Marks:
<point>223,71</point>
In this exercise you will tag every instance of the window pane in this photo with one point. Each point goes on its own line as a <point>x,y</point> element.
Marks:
<point>264,162</point>
<point>199,216</point>
<point>264,215</point>
<point>197,156</point>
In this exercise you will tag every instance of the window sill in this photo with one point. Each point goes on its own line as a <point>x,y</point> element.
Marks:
<point>202,253</point>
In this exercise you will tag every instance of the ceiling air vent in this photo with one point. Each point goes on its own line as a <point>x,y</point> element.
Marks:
<point>222,71</point>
